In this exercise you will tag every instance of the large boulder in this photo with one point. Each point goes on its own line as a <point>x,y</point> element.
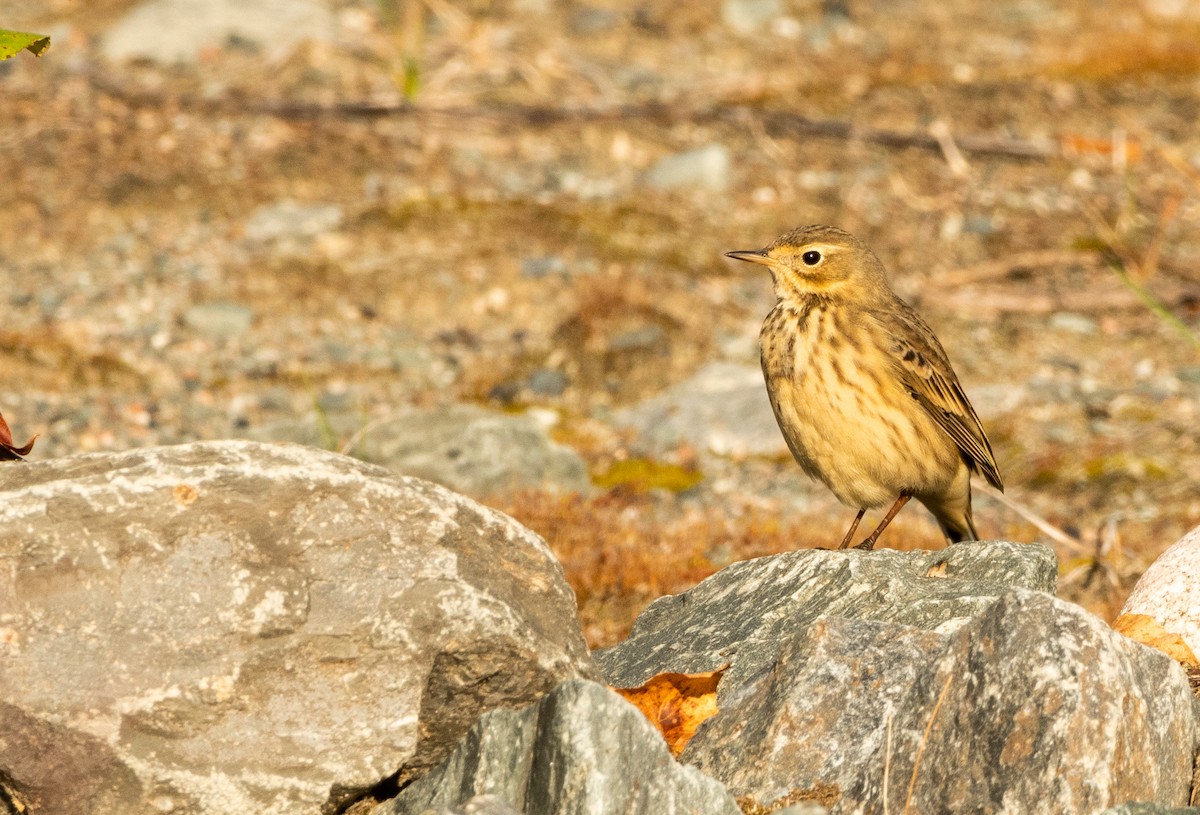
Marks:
<point>1032,705</point>
<point>239,627</point>
<point>581,749</point>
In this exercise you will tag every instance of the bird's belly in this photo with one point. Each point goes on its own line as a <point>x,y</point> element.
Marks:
<point>852,426</point>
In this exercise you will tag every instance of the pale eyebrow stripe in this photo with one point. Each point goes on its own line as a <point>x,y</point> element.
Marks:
<point>823,248</point>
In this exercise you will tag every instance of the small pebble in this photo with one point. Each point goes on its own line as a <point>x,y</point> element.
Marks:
<point>288,219</point>
<point>1075,323</point>
<point>589,21</point>
<point>979,225</point>
<point>747,16</point>
<point>952,226</point>
<point>708,167</point>
<point>548,382</point>
<point>537,268</point>
<point>638,339</point>
<point>220,320</point>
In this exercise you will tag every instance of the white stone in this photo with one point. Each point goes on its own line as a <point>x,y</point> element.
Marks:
<point>1169,591</point>
<point>172,31</point>
<point>707,167</point>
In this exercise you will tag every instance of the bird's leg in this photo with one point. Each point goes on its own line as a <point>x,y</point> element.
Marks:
<point>850,531</point>
<point>869,542</point>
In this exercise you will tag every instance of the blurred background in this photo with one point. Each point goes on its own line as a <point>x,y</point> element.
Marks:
<point>482,242</point>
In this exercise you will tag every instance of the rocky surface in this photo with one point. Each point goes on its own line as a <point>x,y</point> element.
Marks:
<point>233,626</point>
<point>743,614</point>
<point>478,805</point>
<point>524,204</point>
<point>1030,705</point>
<point>581,749</point>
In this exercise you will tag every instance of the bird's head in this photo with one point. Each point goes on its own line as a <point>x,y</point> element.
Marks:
<point>821,260</point>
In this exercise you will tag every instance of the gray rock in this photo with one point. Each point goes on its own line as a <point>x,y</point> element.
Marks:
<point>741,614</point>
<point>1148,808</point>
<point>231,626</point>
<point>590,21</point>
<point>1169,590</point>
<point>581,749</point>
<point>219,320</point>
<point>708,167</point>
<point>747,16</point>
<point>723,409</point>
<point>643,338</point>
<point>1033,705</point>
<point>537,268</point>
<point>288,220</point>
<point>476,451</point>
<point>172,31</point>
<point>980,225</point>
<point>548,382</point>
<point>481,805</point>
<point>466,448</point>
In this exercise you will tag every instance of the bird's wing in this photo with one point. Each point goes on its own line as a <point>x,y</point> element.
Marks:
<point>925,371</point>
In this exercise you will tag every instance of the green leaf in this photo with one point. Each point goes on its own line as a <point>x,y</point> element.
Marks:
<point>13,42</point>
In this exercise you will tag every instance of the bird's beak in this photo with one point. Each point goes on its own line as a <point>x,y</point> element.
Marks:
<point>752,255</point>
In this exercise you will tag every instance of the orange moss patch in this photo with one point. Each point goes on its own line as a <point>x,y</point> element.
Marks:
<point>622,550</point>
<point>1148,631</point>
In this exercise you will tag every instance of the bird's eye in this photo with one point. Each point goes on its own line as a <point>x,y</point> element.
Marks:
<point>811,257</point>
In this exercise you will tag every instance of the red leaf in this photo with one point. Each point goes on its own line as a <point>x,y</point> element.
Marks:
<point>8,450</point>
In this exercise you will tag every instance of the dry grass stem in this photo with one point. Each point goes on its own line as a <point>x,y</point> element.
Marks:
<point>1045,527</point>
<point>954,157</point>
<point>912,782</point>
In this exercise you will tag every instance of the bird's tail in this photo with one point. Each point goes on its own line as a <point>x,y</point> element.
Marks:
<point>958,532</point>
<point>954,516</point>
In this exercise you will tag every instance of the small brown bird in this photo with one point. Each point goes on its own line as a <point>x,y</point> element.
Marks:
<point>861,388</point>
